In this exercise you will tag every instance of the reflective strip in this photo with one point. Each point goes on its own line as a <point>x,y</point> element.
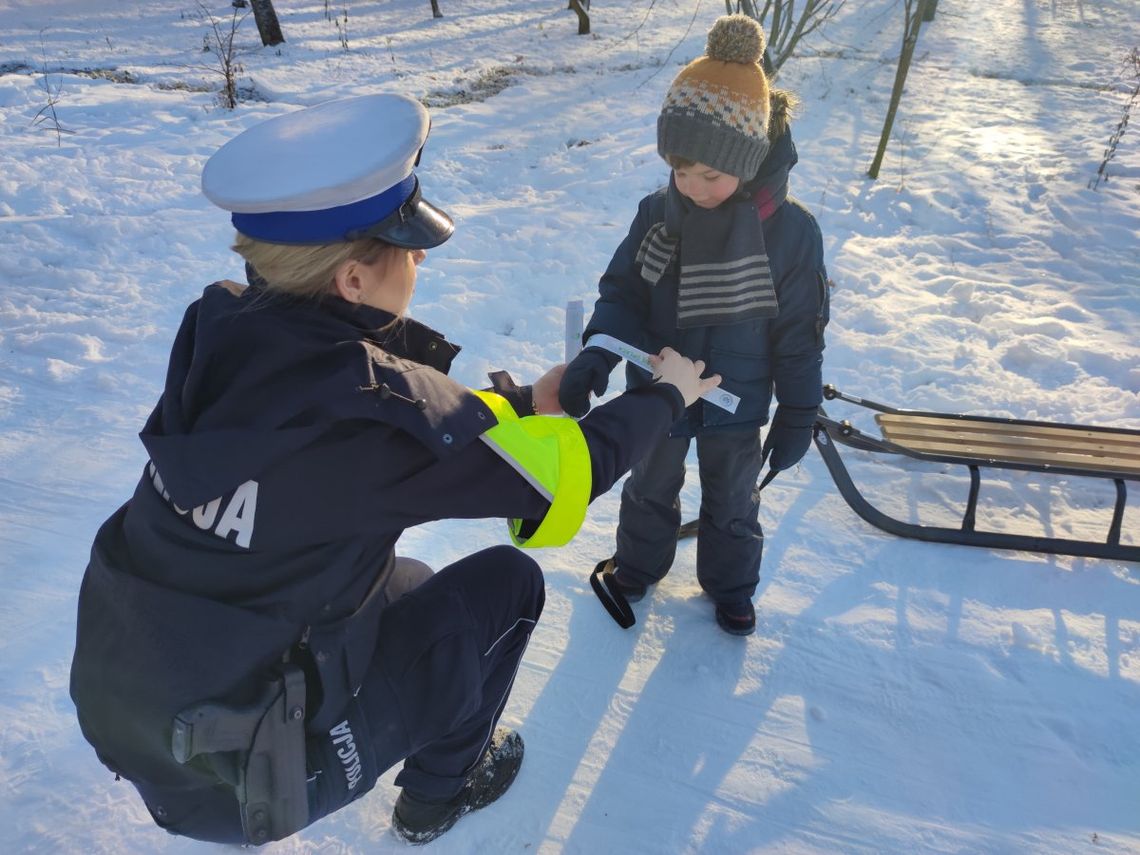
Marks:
<point>551,453</point>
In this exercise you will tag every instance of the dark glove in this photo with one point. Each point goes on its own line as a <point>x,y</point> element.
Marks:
<point>789,436</point>
<point>587,372</point>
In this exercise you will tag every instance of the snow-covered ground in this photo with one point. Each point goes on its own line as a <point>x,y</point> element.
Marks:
<point>898,696</point>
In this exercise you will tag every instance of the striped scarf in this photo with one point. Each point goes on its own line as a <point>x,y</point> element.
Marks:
<point>724,277</point>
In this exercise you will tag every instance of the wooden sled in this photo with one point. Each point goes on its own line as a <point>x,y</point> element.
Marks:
<point>979,442</point>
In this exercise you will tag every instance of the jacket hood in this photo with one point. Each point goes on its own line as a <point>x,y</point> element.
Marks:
<point>255,376</point>
<point>781,157</point>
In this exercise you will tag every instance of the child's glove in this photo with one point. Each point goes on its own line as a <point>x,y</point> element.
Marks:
<point>587,372</point>
<point>788,436</point>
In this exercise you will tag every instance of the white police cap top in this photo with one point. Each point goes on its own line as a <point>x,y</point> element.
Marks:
<point>338,171</point>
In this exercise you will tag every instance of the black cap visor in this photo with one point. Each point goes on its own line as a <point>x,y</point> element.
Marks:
<point>416,224</point>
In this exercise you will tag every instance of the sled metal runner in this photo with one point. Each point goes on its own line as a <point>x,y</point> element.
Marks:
<point>979,442</point>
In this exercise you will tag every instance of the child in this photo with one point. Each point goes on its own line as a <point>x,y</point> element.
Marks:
<point>722,266</point>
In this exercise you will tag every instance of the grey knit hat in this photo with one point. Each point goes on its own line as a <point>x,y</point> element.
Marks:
<point>716,110</point>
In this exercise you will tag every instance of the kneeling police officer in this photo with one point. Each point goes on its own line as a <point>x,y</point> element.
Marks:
<point>251,654</point>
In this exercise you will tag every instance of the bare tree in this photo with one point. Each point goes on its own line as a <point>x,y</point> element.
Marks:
<point>785,26</point>
<point>1131,68</point>
<point>581,9</point>
<point>46,117</point>
<point>267,24</point>
<point>912,22</point>
<point>220,42</point>
<point>342,26</point>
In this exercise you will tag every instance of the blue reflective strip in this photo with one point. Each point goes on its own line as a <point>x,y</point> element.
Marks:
<point>328,224</point>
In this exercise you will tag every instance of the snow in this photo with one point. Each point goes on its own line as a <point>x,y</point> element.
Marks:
<point>898,696</point>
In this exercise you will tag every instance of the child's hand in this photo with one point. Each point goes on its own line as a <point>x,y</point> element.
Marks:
<point>545,391</point>
<point>587,372</point>
<point>670,367</point>
<point>789,436</point>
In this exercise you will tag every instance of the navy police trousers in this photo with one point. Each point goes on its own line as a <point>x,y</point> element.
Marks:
<point>448,648</point>
<point>444,666</point>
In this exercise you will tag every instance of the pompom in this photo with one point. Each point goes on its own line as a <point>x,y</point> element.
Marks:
<point>735,38</point>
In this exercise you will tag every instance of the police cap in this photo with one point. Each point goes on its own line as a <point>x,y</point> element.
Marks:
<point>342,170</point>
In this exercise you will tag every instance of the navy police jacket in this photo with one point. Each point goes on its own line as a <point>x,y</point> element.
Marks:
<point>294,441</point>
<point>784,353</point>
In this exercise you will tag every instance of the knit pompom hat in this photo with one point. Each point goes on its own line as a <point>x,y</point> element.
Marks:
<point>716,110</point>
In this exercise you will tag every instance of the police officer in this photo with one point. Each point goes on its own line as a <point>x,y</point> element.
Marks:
<point>251,655</point>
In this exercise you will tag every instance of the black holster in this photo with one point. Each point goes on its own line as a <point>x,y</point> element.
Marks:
<point>267,741</point>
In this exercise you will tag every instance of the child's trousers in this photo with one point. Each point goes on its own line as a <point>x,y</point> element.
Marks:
<point>730,540</point>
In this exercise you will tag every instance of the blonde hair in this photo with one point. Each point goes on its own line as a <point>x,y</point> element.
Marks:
<point>302,270</point>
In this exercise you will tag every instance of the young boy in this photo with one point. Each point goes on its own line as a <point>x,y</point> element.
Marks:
<point>720,266</point>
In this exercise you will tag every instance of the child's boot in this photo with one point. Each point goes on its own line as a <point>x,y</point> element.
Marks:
<point>736,618</point>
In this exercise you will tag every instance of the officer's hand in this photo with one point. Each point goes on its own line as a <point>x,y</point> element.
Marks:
<point>545,391</point>
<point>670,367</point>
<point>789,436</point>
<point>587,372</point>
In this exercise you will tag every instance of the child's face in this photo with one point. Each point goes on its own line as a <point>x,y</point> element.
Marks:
<point>704,186</point>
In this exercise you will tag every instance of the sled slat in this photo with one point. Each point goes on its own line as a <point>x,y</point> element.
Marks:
<point>1037,443</point>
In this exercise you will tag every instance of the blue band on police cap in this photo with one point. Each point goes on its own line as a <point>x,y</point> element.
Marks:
<point>327,225</point>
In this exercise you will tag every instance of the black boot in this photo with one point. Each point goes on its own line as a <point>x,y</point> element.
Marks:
<point>736,618</point>
<point>418,821</point>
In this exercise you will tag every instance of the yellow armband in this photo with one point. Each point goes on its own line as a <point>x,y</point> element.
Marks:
<point>551,454</point>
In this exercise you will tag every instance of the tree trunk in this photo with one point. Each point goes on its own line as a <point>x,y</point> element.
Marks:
<point>435,13</point>
<point>267,24</point>
<point>583,17</point>
<point>910,39</point>
<point>931,5</point>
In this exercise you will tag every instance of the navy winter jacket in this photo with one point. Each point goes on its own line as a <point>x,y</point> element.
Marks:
<point>293,444</point>
<point>752,357</point>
